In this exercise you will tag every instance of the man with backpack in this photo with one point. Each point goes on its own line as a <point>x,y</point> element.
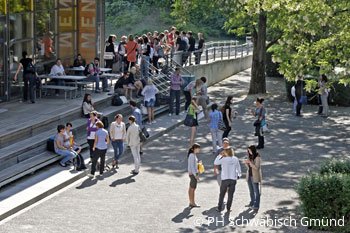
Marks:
<point>93,72</point>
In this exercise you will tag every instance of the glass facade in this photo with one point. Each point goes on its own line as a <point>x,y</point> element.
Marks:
<point>46,30</point>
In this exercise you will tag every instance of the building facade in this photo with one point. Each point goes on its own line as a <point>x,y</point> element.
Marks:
<point>46,30</point>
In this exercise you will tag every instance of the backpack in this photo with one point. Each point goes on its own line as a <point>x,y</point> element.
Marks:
<point>182,45</point>
<point>117,101</point>
<point>50,144</point>
<point>79,163</point>
<point>30,68</point>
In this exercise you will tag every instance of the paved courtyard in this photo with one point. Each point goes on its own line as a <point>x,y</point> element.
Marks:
<point>156,199</point>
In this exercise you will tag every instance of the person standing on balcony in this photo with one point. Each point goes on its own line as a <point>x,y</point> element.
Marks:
<point>200,48</point>
<point>145,61</point>
<point>175,91</point>
<point>110,51</point>
<point>192,43</point>
<point>131,49</point>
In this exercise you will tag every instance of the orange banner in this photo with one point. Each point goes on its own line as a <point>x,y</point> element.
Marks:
<point>87,29</point>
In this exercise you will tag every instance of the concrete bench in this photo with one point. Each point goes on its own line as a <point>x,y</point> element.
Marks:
<point>57,87</point>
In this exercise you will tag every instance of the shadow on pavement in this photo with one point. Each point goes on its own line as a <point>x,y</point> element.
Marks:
<point>126,180</point>
<point>185,214</point>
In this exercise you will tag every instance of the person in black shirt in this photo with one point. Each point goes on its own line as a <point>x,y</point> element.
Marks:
<point>110,48</point>
<point>29,77</point>
<point>192,43</point>
<point>299,91</point>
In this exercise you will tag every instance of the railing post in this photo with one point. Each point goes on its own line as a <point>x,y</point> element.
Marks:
<point>236,50</point>
<point>206,55</point>
<point>222,52</point>
<point>190,58</point>
<point>242,50</point>
<point>247,48</point>
<point>229,51</point>
<point>214,53</point>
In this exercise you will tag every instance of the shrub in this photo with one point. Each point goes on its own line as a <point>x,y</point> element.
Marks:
<point>325,196</point>
<point>335,166</point>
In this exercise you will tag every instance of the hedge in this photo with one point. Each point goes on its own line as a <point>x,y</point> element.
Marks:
<point>327,194</point>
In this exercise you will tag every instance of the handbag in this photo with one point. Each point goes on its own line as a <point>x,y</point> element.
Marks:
<point>145,132</point>
<point>303,99</point>
<point>108,56</point>
<point>201,168</point>
<point>189,120</point>
<point>143,109</point>
<point>142,136</point>
<point>200,115</point>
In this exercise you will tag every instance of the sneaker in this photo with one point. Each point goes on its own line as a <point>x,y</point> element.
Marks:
<point>170,114</point>
<point>90,175</point>
<point>153,122</point>
<point>134,172</point>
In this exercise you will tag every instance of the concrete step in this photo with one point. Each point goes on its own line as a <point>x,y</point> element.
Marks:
<point>31,127</point>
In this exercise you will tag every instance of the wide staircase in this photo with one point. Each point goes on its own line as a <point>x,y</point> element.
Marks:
<point>23,150</point>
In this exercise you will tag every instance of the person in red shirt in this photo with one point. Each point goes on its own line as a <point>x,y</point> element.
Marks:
<point>131,49</point>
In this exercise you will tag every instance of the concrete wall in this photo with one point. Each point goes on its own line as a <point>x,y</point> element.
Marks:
<point>219,70</point>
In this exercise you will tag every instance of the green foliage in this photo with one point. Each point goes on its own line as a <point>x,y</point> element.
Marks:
<point>325,196</point>
<point>335,166</point>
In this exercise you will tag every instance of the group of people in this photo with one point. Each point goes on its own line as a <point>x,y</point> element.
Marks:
<point>298,93</point>
<point>227,169</point>
<point>98,138</point>
<point>151,48</point>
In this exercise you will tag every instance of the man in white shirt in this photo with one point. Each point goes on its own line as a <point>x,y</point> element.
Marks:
<point>58,70</point>
<point>230,172</point>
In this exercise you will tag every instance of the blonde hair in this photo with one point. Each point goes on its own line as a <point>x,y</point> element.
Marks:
<point>229,152</point>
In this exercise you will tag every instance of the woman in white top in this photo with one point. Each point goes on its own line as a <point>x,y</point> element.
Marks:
<point>117,131</point>
<point>192,168</point>
<point>88,105</point>
<point>149,92</point>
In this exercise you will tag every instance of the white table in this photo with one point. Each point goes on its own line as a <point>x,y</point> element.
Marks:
<point>75,78</point>
<point>78,68</point>
<point>105,70</point>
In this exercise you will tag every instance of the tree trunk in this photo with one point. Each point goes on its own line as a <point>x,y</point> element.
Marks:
<point>258,79</point>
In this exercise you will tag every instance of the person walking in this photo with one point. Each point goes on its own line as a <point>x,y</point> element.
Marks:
<point>259,112</point>
<point>192,167</point>
<point>118,134</point>
<point>214,117</point>
<point>149,92</point>
<point>29,78</point>
<point>133,140</point>
<point>175,91</point>
<point>192,111</point>
<point>231,171</point>
<point>254,177</point>
<point>323,91</point>
<point>99,148</point>
<point>227,116</point>
<point>299,92</point>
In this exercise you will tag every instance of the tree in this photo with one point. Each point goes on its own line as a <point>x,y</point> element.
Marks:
<point>316,39</point>
<point>311,35</point>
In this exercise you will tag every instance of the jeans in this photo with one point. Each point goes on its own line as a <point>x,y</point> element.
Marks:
<point>216,138</point>
<point>118,147</point>
<point>29,83</point>
<point>198,57</point>
<point>188,99</point>
<point>67,155</point>
<point>98,154</point>
<point>299,105</point>
<point>227,186</point>
<point>254,193</point>
<point>324,101</point>
<point>174,95</point>
<point>145,66</point>
<point>135,151</point>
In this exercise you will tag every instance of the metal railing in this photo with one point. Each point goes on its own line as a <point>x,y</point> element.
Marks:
<point>223,50</point>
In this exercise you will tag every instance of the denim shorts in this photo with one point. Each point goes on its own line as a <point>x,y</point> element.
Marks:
<point>150,103</point>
